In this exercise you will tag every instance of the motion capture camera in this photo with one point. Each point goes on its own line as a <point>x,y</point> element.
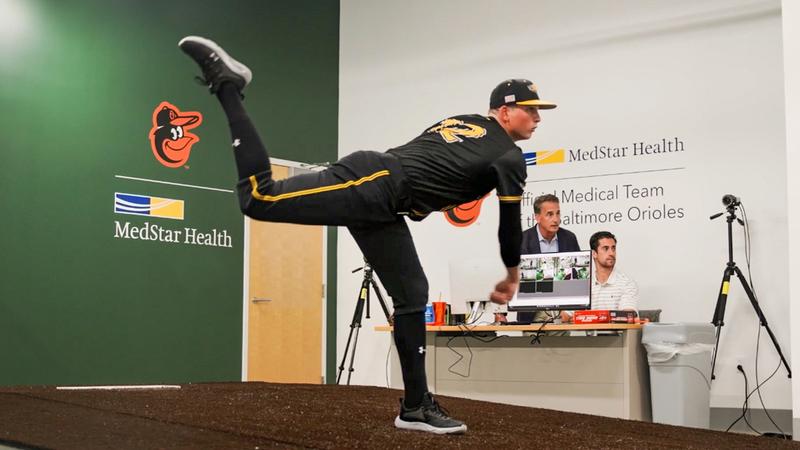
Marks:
<point>730,201</point>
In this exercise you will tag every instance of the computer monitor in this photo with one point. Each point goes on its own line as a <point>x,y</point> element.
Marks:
<point>554,281</point>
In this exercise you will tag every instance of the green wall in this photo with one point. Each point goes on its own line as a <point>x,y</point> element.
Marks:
<point>78,84</point>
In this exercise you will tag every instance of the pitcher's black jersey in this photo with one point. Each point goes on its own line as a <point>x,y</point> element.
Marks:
<point>459,160</point>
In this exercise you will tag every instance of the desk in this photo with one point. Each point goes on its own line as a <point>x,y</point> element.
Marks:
<point>606,375</point>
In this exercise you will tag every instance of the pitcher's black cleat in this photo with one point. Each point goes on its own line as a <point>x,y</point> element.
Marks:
<point>217,65</point>
<point>429,417</point>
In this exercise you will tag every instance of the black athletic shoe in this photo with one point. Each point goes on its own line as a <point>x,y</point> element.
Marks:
<point>430,417</point>
<point>217,66</point>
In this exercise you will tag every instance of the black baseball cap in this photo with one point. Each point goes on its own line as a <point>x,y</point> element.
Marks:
<point>517,92</point>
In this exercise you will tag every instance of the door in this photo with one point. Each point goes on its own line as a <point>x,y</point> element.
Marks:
<point>285,301</point>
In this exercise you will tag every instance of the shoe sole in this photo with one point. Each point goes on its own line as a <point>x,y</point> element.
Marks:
<point>422,426</point>
<point>239,68</point>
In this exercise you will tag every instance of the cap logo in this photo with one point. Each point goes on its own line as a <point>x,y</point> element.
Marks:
<point>510,98</point>
<point>532,87</point>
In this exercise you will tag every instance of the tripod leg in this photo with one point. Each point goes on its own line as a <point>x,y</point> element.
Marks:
<point>355,325</point>
<point>719,312</point>
<point>382,302</point>
<point>762,318</point>
<point>366,299</point>
<point>353,356</point>
<point>344,355</point>
<point>722,299</point>
<point>714,357</point>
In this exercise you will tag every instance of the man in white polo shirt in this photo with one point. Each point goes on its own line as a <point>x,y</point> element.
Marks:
<point>611,289</point>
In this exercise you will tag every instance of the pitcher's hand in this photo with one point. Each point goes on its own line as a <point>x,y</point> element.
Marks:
<point>505,290</point>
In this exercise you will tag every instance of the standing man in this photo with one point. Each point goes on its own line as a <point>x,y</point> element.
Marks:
<point>454,161</point>
<point>546,236</point>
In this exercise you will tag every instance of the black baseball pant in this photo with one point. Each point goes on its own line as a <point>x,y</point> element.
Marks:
<point>364,192</point>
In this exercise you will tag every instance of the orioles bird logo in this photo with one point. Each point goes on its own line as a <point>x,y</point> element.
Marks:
<point>170,138</point>
<point>466,214</point>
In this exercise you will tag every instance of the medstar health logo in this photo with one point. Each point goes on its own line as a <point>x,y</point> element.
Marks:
<point>544,157</point>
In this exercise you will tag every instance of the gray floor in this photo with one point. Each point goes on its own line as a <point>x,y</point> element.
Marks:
<point>721,418</point>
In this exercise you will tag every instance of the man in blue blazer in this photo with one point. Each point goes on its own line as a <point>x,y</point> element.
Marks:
<point>546,236</point>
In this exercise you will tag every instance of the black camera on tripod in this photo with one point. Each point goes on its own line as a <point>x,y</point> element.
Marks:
<point>730,201</point>
<point>367,284</point>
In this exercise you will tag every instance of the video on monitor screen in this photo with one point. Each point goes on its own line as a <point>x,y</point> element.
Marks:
<point>554,281</point>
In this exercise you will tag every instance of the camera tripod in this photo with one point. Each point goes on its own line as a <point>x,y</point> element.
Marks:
<point>355,324</point>
<point>731,203</point>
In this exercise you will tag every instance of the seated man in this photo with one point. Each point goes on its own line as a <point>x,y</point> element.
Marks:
<point>546,236</point>
<point>611,289</point>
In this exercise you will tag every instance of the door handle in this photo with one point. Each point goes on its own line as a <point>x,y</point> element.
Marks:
<point>261,300</point>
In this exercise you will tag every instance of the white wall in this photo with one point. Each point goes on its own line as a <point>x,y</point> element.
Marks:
<point>791,61</point>
<point>708,72</point>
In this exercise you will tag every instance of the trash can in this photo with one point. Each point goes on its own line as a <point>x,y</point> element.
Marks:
<point>679,355</point>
